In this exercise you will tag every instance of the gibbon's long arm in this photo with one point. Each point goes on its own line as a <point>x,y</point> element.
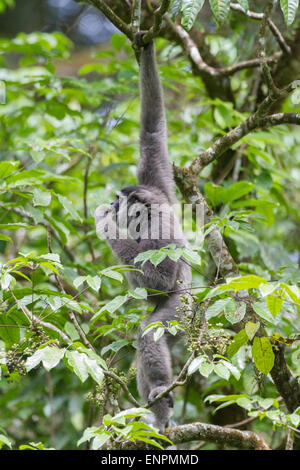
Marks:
<point>154,168</point>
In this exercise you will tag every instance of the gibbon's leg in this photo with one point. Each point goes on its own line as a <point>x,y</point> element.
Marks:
<point>154,363</point>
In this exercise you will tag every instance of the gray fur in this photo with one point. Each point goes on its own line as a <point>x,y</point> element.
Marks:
<point>156,186</point>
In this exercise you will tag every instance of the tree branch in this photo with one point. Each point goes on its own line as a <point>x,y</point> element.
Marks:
<point>257,120</point>
<point>209,433</point>
<point>194,55</point>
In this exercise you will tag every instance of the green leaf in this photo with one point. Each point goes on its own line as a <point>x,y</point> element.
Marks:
<point>262,354</point>
<point>77,363</point>
<point>244,4</point>
<point>289,9</point>
<point>118,41</point>
<point>94,282</point>
<point>6,168</point>
<point>158,333</point>
<point>235,311</point>
<point>238,341</point>
<point>115,346</point>
<point>112,274</point>
<point>4,440</point>
<point>245,282</point>
<point>52,356</point>
<point>245,402</point>
<point>111,306</point>
<point>220,9</point>
<point>274,304</point>
<point>261,309</point>
<point>232,369</point>
<point>206,368</point>
<point>251,329</point>
<point>221,371</point>
<point>195,364</point>
<point>41,198</point>
<point>175,8</point>
<point>190,10</point>
<point>69,207</point>
<point>217,307</point>
<point>49,355</point>
<point>5,238</point>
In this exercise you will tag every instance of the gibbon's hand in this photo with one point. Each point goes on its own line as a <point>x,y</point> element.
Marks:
<point>105,221</point>
<point>157,391</point>
<point>138,40</point>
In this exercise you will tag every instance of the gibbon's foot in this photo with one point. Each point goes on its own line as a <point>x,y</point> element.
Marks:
<point>138,39</point>
<point>157,391</point>
<point>163,408</point>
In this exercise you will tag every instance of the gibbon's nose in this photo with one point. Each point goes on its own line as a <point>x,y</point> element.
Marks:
<point>115,205</point>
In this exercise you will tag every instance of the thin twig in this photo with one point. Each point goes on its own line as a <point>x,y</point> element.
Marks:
<point>158,18</point>
<point>180,380</point>
<point>258,16</point>
<point>110,14</point>
<point>262,40</point>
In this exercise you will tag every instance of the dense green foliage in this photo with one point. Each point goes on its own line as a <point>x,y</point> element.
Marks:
<point>66,146</point>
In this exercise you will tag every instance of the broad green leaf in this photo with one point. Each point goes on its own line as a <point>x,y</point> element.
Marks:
<point>195,364</point>
<point>112,274</point>
<point>94,282</point>
<point>220,9</point>
<point>262,354</point>
<point>217,307</point>
<point>244,4</point>
<point>115,346</point>
<point>5,238</point>
<point>206,368</point>
<point>261,309</point>
<point>289,10</point>
<point>245,402</point>
<point>51,356</point>
<point>175,8</point>
<point>77,363</point>
<point>100,439</point>
<point>274,304</point>
<point>235,311</point>
<point>4,440</point>
<point>191,256</point>
<point>6,168</point>
<point>251,329</point>
<point>118,41</point>
<point>111,306</point>
<point>69,207</point>
<point>34,360</point>
<point>41,198</point>
<point>238,341</point>
<point>233,370</point>
<point>93,369</point>
<point>246,282</point>
<point>9,334</point>
<point>222,371</point>
<point>190,10</point>
<point>158,333</point>
<point>157,257</point>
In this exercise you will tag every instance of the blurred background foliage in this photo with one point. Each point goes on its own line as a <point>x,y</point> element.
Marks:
<point>68,139</point>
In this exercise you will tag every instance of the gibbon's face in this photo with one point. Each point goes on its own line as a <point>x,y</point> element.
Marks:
<point>131,212</point>
<point>124,197</point>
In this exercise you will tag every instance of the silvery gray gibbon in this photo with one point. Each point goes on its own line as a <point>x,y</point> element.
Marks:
<point>142,218</point>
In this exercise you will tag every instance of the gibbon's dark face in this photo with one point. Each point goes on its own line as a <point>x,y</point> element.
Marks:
<point>125,192</point>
